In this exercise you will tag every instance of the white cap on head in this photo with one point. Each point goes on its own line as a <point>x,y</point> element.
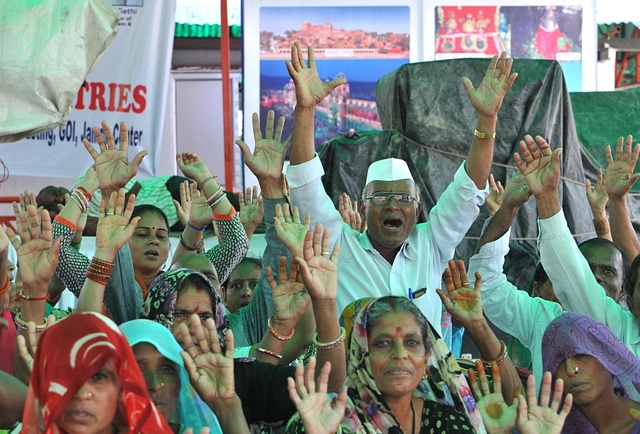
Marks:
<point>389,169</point>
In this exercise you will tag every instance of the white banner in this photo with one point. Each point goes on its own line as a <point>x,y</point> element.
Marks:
<point>129,84</point>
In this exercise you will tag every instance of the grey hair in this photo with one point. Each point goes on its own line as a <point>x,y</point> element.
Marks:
<point>396,304</point>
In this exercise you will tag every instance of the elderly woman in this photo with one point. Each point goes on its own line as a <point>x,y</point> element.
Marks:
<point>158,356</point>
<point>85,379</point>
<point>601,373</point>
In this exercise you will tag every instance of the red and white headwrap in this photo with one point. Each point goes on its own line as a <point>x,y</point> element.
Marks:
<point>69,353</point>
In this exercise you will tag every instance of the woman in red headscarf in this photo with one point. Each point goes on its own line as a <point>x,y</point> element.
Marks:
<point>85,379</point>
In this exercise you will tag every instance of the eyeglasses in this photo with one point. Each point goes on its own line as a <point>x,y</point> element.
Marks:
<point>383,198</point>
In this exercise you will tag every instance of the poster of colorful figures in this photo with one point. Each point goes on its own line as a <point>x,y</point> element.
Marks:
<point>360,43</point>
<point>530,32</point>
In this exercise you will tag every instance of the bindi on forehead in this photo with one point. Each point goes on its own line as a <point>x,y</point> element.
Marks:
<point>398,330</point>
<point>196,309</point>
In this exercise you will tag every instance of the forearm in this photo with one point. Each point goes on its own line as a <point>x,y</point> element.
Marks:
<point>491,349</point>
<point>91,297</point>
<point>480,156</point>
<point>548,204</point>
<point>13,395</point>
<point>498,226</point>
<point>328,330</point>
<point>233,245</point>
<point>231,416</point>
<point>622,230</point>
<point>302,137</point>
<point>72,265</point>
<point>271,188</point>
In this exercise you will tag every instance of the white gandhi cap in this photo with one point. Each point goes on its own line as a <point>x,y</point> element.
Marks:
<point>390,169</point>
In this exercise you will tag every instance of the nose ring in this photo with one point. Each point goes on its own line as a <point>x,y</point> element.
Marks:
<point>89,394</point>
<point>576,369</point>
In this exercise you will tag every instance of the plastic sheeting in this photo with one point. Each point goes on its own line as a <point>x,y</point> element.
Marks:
<point>48,48</point>
<point>429,123</point>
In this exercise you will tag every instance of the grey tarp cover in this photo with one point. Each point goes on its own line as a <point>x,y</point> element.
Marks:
<point>429,123</point>
<point>48,48</point>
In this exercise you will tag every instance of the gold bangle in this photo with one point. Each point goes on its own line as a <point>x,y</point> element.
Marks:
<point>330,345</point>
<point>483,135</point>
<point>500,358</point>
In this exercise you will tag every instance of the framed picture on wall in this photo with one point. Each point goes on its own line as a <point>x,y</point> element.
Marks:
<point>361,43</point>
<point>535,30</point>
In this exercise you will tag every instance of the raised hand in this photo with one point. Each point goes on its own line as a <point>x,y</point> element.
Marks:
<point>267,159</point>
<point>497,416</point>
<point>619,176</point>
<point>539,165</point>
<point>487,98</point>
<point>318,414</point>
<point>290,298</point>
<point>200,214</point>
<point>462,302</point>
<point>27,198</point>
<point>350,214</point>
<point>193,167</point>
<point>597,195</point>
<point>26,350</point>
<point>543,418</point>
<point>112,163</point>
<point>210,371</point>
<point>319,267</point>
<point>494,199</point>
<point>310,89</point>
<point>290,229</point>
<point>516,192</point>
<point>187,192</point>
<point>37,252</point>
<point>114,228</point>
<point>251,210</point>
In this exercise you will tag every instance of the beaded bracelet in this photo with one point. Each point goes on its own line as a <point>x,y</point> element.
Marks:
<point>330,345</point>
<point>278,335</point>
<point>500,358</point>
<point>22,325</point>
<point>271,353</point>
<point>24,296</point>
<point>192,226</point>
<point>196,248</point>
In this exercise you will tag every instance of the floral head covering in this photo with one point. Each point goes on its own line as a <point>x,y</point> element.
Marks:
<point>146,331</point>
<point>160,301</point>
<point>69,353</point>
<point>572,334</point>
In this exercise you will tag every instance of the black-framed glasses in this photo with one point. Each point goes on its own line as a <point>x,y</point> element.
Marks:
<point>382,198</point>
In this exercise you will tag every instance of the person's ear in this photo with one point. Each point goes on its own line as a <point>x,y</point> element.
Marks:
<point>534,288</point>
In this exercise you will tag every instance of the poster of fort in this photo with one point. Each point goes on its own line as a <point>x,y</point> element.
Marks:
<point>360,43</point>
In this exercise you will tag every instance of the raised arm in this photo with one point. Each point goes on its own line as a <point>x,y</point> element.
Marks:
<point>487,100</point>
<point>113,231</point>
<point>465,306</point>
<point>618,180</point>
<point>597,197</point>
<point>310,91</point>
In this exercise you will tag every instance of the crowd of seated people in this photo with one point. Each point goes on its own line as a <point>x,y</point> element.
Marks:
<point>324,333</point>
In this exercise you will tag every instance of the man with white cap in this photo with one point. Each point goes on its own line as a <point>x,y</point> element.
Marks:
<point>394,255</point>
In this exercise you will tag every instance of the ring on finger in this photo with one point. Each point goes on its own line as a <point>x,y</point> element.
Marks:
<point>465,284</point>
<point>325,253</point>
<point>110,213</point>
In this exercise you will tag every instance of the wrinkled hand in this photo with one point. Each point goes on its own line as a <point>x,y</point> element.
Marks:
<point>497,416</point>
<point>210,371</point>
<point>516,192</point>
<point>462,302</point>
<point>290,298</point>
<point>619,176</point>
<point>187,192</point>
<point>487,98</point>
<point>251,210</point>
<point>267,159</point>
<point>494,199</point>
<point>114,228</point>
<point>319,267</point>
<point>290,229</point>
<point>112,164</point>
<point>193,167</point>
<point>318,414</point>
<point>310,89</point>
<point>539,165</point>
<point>37,252</point>
<point>350,214</point>
<point>28,351</point>
<point>597,195</point>
<point>543,418</point>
